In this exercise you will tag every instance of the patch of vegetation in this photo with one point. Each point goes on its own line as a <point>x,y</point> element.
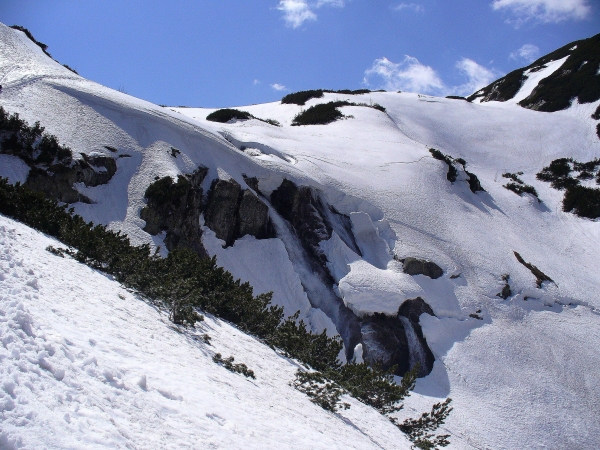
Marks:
<point>225,115</point>
<point>321,114</point>
<point>44,47</point>
<point>421,431</point>
<point>70,68</point>
<point>30,143</point>
<point>518,186</point>
<point>452,172</point>
<point>558,174</point>
<point>235,368</point>
<point>325,113</point>
<point>300,98</point>
<point>320,389</point>
<point>582,201</point>
<point>164,191</point>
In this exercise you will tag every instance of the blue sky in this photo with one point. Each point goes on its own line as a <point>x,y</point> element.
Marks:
<point>217,53</point>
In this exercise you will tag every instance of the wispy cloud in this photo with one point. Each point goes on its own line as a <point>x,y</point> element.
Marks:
<point>279,87</point>
<point>544,10</point>
<point>477,76</point>
<point>296,12</point>
<point>255,82</point>
<point>408,75</point>
<point>412,76</point>
<point>527,53</point>
<point>410,6</point>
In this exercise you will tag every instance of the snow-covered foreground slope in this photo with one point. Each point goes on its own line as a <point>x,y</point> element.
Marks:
<point>86,364</point>
<point>524,376</point>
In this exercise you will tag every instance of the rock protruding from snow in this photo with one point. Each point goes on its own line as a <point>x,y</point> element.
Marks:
<point>398,340</point>
<point>175,208</point>
<point>232,213</point>
<point>414,266</point>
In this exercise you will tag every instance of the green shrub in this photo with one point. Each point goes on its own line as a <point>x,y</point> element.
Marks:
<point>325,113</point>
<point>225,115</point>
<point>70,68</point>
<point>321,390</point>
<point>235,368</point>
<point>376,387</point>
<point>44,47</point>
<point>518,186</point>
<point>316,350</point>
<point>165,192</point>
<point>421,431</point>
<point>452,173</point>
<point>300,98</point>
<point>30,143</point>
<point>558,173</point>
<point>320,114</point>
<point>582,201</point>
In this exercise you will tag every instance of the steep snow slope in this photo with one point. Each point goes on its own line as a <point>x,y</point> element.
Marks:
<point>533,357</point>
<point>85,364</point>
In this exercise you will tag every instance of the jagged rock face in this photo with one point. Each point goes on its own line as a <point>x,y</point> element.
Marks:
<point>302,207</point>
<point>57,180</point>
<point>232,213</point>
<point>253,217</point>
<point>414,266</point>
<point>176,208</point>
<point>221,209</point>
<point>388,342</point>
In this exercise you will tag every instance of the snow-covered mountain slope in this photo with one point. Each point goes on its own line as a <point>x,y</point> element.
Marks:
<point>521,370</point>
<point>551,82</point>
<point>85,364</point>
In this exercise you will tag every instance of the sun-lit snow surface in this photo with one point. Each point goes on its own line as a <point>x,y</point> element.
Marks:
<point>524,376</point>
<point>85,364</point>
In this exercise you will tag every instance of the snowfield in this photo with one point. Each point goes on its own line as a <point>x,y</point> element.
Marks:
<point>524,376</point>
<point>85,364</point>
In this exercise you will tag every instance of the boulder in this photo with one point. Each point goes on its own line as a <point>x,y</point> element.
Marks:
<point>414,266</point>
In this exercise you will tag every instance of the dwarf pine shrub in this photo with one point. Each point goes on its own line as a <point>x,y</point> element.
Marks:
<point>225,115</point>
<point>235,368</point>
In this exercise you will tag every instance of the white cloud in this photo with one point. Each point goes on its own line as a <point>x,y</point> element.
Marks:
<point>414,6</point>
<point>409,75</point>
<point>528,53</point>
<point>296,12</point>
<point>279,87</point>
<point>412,76</point>
<point>255,82</point>
<point>477,77</point>
<point>544,10</point>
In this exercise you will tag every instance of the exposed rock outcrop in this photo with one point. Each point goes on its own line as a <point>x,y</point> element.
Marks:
<point>175,208</point>
<point>57,180</point>
<point>414,266</point>
<point>232,213</point>
<point>398,340</point>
